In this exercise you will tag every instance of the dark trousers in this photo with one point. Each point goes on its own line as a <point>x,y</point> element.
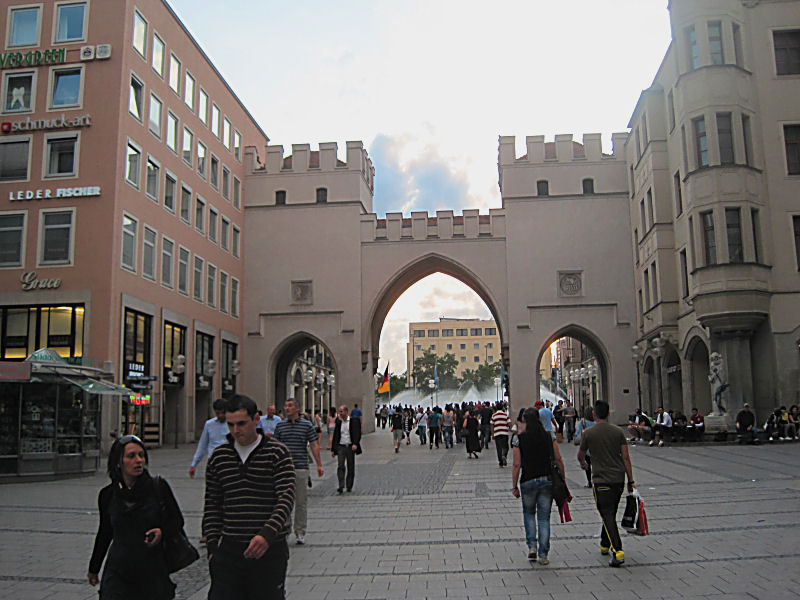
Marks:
<point>607,497</point>
<point>434,436</point>
<point>346,458</point>
<point>486,435</point>
<point>234,576</point>
<point>501,444</point>
<point>447,434</point>
<point>588,471</point>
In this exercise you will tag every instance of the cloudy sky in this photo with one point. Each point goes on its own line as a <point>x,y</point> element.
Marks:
<point>428,86</point>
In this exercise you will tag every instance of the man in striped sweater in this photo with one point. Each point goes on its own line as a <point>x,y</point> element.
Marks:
<point>249,499</point>
<point>501,427</point>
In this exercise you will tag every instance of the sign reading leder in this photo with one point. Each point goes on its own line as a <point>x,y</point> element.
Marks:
<point>43,194</point>
<point>33,58</point>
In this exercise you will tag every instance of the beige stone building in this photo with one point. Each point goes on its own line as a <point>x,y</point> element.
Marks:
<point>473,342</point>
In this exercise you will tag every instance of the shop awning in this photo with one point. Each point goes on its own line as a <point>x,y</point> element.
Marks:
<point>96,386</point>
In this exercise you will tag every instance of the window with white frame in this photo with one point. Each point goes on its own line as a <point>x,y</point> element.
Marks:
<point>213,178</point>
<point>136,98</point>
<point>234,297</point>
<point>24,26</point>
<point>149,240</point>
<point>202,107</point>
<point>61,156</point>
<point>153,175</point>
<point>175,74</point>
<point>12,239</point>
<point>170,185</point>
<point>156,109</point>
<point>223,291</point>
<point>186,203</point>
<point>199,214</point>
<point>237,192</point>
<point>171,138</point>
<point>197,283</point>
<point>159,55</point>
<point>18,92</point>
<point>211,284</point>
<point>183,271</point>
<point>167,258</point>
<point>66,87</point>
<point>129,242</point>
<point>226,183</point>
<point>139,34</point>
<point>225,233</point>
<point>215,120</point>
<point>188,90</point>
<point>70,22</point>
<point>213,220</point>
<point>201,159</point>
<point>237,145</point>
<point>226,133</point>
<point>133,159</point>
<point>188,146</point>
<point>235,241</point>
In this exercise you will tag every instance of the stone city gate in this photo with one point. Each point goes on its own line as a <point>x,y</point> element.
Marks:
<point>323,269</point>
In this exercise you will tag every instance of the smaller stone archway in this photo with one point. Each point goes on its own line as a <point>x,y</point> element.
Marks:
<point>673,390</point>
<point>650,386</point>
<point>697,358</point>
<point>304,369</point>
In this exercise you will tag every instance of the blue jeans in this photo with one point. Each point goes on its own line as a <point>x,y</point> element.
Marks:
<point>448,436</point>
<point>537,498</point>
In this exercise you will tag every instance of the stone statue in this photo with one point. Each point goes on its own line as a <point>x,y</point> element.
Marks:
<point>716,377</point>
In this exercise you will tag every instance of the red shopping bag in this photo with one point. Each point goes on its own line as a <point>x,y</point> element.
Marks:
<point>641,520</point>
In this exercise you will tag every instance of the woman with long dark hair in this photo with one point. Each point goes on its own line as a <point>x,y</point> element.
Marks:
<point>534,452</point>
<point>137,512</point>
<point>471,427</point>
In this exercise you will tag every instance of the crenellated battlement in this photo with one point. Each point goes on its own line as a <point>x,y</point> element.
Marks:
<point>562,150</point>
<point>444,226</point>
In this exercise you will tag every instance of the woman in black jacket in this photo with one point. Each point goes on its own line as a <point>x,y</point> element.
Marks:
<point>137,512</point>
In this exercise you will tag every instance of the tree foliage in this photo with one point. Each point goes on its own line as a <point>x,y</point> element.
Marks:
<point>445,366</point>
<point>483,376</point>
<point>397,383</point>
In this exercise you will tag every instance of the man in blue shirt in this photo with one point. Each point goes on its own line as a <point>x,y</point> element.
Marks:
<point>356,412</point>
<point>214,434</point>
<point>269,422</point>
<point>547,418</point>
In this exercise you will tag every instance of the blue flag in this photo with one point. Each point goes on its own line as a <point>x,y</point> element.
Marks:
<point>435,373</point>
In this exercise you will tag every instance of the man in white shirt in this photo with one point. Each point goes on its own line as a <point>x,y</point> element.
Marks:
<point>662,427</point>
<point>270,421</point>
<point>345,445</point>
<point>214,434</point>
<point>422,426</point>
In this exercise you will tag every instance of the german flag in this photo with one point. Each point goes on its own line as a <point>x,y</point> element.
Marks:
<point>383,388</point>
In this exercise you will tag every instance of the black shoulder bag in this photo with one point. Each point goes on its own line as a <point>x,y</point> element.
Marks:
<point>560,491</point>
<point>179,552</point>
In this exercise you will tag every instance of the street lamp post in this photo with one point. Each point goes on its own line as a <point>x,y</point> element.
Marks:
<point>432,385</point>
<point>658,344</point>
<point>308,377</point>
<point>636,353</point>
<point>331,383</point>
<point>497,389</point>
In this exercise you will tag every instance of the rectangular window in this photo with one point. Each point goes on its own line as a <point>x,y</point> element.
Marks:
<point>542,188</point>
<point>700,142</point>
<point>322,195</point>
<point>57,238</point>
<point>158,56</point>
<point>66,90</point>
<point>737,45</point>
<point>24,29</point>
<point>691,48</point>
<point>213,219</point>
<point>280,198</point>
<point>237,145</point>
<point>225,233</point>
<point>149,254</point>
<point>226,133</point>
<point>654,276</point>
<point>787,51</point>
<point>433,333</point>
<point>419,333</point>
<point>70,22</point>
<point>676,184</point>
<point>167,257</point>
<point>754,219</point>
<point>139,34</point>
<point>791,137</point>
<point>170,184</point>
<point>202,107</point>
<point>211,285</point>
<point>476,359</point>
<point>186,203</point>
<point>129,242</point>
<point>476,331</point>
<point>684,275</point>
<point>175,74</point>
<point>199,214</point>
<point>215,119</point>
<point>153,175</point>
<point>188,146</point>
<point>715,42</point>
<point>226,183</point>
<point>201,159</point>
<point>671,110</point>
<point>641,309</point>
<point>647,299</point>
<point>651,218</point>
<point>462,332</point>
<point>237,193</point>
<point>236,236</point>
<point>691,242</point>
<point>638,138</point>
<point>12,235</point>
<point>644,130</point>
<point>154,121</point>
<point>171,138</point>
<point>636,244</point>
<point>183,271</point>
<point>447,333</point>
<point>214,175</point>
<point>709,242</point>
<point>642,216</point>
<point>796,225</point>
<point>725,136</point>
<point>748,141</point>
<point>462,359</point>
<point>684,149</point>
<point>733,224</point>
<point>188,90</point>
<point>14,157</point>
<point>234,297</point>
<point>19,93</point>
<point>132,161</point>
<point>197,283</point>
<point>62,156</point>
<point>223,291</point>
<point>135,98</point>
<point>490,331</point>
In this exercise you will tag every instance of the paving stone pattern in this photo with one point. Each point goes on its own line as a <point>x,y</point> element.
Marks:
<point>724,523</point>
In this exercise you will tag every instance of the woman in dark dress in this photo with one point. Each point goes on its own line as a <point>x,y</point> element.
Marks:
<point>471,427</point>
<point>137,512</point>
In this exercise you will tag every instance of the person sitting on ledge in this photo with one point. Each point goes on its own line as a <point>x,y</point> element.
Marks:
<point>697,425</point>
<point>794,419</point>
<point>680,427</point>
<point>746,425</point>
<point>638,424</point>
<point>662,427</point>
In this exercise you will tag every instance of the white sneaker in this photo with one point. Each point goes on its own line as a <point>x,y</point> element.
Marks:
<point>300,541</point>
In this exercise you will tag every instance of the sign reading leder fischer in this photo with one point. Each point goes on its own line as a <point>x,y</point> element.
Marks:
<point>45,193</point>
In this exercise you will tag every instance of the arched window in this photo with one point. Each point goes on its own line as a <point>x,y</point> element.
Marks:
<point>588,186</point>
<point>322,195</point>
<point>542,188</point>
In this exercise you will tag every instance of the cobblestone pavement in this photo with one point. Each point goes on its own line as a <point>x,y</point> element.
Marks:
<point>724,523</point>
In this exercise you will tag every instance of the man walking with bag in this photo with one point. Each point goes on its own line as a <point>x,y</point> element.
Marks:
<point>611,463</point>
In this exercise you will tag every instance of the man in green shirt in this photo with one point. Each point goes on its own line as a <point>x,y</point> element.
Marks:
<point>610,464</point>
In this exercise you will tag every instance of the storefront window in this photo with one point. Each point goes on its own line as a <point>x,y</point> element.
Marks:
<point>174,345</point>
<point>204,351</point>
<point>9,426</point>
<point>38,419</point>
<point>29,328</point>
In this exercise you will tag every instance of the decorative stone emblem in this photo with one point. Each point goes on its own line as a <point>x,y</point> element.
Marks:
<point>570,283</point>
<point>302,292</point>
